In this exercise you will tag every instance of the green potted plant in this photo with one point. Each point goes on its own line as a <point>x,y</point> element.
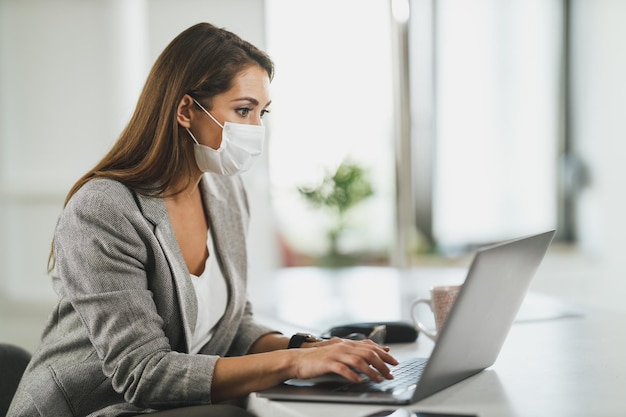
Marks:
<point>339,192</point>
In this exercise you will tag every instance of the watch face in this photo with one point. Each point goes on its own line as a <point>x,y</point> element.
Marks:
<point>299,338</point>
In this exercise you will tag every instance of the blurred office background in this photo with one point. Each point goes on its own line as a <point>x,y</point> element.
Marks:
<point>471,121</point>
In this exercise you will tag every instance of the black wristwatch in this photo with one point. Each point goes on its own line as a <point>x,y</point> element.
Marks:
<point>299,338</point>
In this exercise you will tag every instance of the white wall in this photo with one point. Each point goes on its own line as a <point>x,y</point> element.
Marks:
<point>599,126</point>
<point>70,74</point>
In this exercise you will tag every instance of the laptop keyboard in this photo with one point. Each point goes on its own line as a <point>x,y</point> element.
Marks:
<point>405,374</point>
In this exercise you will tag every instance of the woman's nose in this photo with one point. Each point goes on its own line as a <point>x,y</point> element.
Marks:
<point>258,121</point>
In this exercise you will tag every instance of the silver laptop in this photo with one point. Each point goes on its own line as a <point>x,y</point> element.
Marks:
<point>495,286</point>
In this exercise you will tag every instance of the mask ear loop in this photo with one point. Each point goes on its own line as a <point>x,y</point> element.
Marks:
<point>192,136</point>
<point>207,112</point>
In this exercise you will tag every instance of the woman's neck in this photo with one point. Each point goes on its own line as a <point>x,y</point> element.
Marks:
<point>185,191</point>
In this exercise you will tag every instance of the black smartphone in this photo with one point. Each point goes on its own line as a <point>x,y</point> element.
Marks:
<point>400,412</point>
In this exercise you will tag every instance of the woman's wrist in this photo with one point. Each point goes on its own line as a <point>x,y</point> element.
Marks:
<point>269,342</point>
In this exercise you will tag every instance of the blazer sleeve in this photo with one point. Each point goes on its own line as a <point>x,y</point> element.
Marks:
<point>102,258</point>
<point>249,332</point>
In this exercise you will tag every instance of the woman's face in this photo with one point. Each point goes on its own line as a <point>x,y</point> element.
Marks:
<point>246,103</point>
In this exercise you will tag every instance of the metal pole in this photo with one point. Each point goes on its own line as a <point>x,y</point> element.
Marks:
<point>405,207</point>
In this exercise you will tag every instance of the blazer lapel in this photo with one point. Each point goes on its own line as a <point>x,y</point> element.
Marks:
<point>155,211</point>
<point>227,225</point>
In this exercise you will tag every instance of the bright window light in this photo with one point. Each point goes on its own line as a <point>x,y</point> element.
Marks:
<point>331,101</point>
<point>497,127</point>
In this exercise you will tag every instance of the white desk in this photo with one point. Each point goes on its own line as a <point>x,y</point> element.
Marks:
<point>555,361</point>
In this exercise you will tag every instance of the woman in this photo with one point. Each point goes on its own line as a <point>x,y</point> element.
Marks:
<point>149,257</point>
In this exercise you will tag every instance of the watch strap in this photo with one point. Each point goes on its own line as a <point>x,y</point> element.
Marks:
<point>298,339</point>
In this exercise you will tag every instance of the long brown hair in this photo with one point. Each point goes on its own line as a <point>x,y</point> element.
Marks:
<point>149,156</point>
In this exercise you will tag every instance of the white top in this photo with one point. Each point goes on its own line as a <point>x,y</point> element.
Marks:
<point>212,296</point>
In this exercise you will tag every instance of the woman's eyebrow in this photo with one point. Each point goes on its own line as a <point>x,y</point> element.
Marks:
<point>251,100</point>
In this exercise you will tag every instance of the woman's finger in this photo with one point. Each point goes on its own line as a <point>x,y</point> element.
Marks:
<point>372,365</point>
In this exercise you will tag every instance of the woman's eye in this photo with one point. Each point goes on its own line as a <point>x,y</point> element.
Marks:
<point>264,112</point>
<point>244,111</point>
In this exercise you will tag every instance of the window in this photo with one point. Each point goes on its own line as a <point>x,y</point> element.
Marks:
<point>485,94</point>
<point>332,101</point>
<point>498,79</point>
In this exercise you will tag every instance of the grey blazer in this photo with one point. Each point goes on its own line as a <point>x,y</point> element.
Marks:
<point>118,339</point>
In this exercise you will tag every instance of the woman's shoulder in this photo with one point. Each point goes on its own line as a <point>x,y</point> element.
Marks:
<point>103,185</point>
<point>100,193</point>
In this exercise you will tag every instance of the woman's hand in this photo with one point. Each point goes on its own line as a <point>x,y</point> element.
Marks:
<point>343,357</point>
<point>239,375</point>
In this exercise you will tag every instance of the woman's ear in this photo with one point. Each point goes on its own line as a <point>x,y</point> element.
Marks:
<point>183,111</point>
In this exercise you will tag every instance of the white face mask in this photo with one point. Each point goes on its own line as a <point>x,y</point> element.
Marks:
<point>241,143</point>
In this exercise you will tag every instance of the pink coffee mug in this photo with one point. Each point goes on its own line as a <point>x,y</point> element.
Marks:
<point>440,302</point>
